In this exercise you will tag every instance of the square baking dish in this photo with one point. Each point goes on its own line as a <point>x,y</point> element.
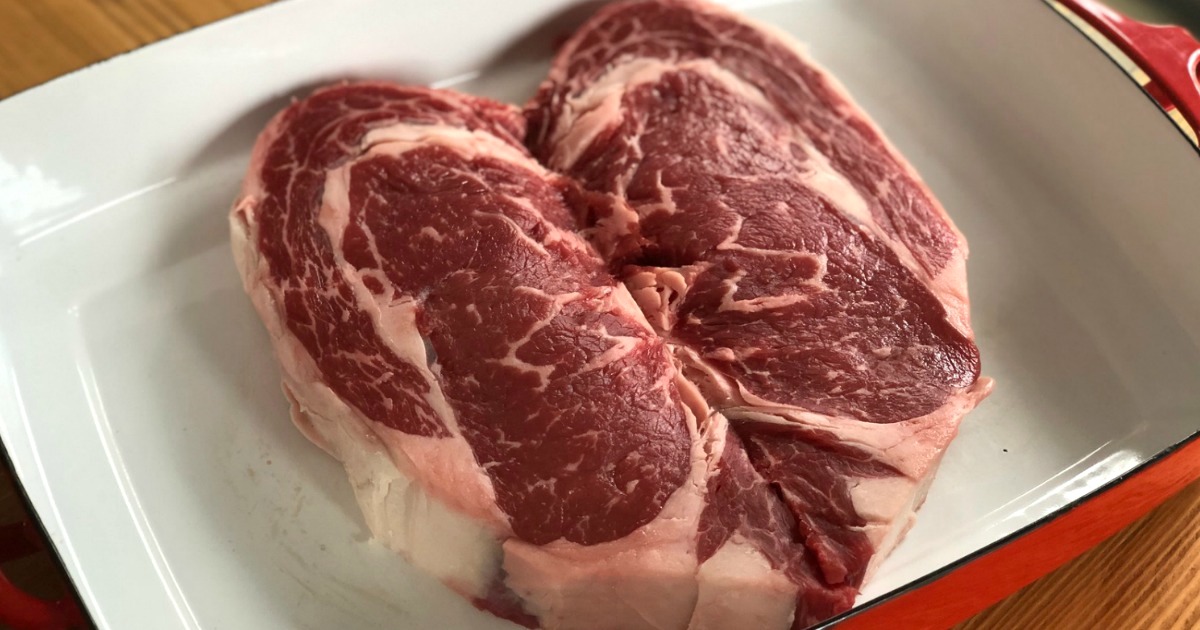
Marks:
<point>139,398</point>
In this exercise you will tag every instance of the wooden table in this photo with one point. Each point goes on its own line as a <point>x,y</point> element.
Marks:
<point>1148,576</point>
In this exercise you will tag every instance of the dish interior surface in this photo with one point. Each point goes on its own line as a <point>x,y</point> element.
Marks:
<point>139,398</point>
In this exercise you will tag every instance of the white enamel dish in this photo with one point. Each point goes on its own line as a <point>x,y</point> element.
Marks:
<point>139,399</point>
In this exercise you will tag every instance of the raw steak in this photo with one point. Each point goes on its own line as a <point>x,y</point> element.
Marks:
<point>803,275</point>
<point>508,418</point>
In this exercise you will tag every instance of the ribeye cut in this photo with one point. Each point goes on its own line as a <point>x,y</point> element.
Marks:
<point>508,418</point>
<point>803,275</point>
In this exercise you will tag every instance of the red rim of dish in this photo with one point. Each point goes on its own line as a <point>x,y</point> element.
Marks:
<point>1169,55</point>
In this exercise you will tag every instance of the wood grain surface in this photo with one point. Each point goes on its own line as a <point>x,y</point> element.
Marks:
<point>1147,576</point>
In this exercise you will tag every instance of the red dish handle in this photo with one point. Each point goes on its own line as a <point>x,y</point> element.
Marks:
<point>1169,55</point>
<point>20,610</point>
